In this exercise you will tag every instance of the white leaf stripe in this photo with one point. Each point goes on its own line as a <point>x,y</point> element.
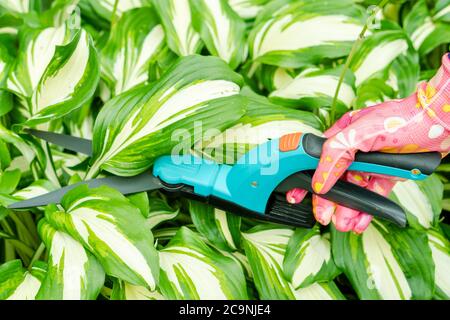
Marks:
<point>440,250</point>
<point>27,289</point>
<point>102,226</point>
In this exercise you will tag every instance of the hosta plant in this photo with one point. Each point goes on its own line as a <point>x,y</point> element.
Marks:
<point>215,78</point>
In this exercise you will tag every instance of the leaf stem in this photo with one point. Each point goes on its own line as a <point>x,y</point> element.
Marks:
<point>113,18</point>
<point>350,58</point>
<point>37,254</point>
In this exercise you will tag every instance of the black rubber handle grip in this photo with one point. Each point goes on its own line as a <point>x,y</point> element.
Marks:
<point>426,162</point>
<point>351,196</point>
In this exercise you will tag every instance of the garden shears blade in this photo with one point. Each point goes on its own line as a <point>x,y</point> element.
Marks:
<point>245,189</point>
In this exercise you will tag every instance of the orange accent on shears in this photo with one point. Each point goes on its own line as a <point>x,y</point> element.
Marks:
<point>290,141</point>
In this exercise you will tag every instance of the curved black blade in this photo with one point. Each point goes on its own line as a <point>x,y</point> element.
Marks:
<point>80,145</point>
<point>126,185</point>
<point>351,196</point>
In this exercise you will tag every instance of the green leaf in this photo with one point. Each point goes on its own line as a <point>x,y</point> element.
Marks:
<point>282,39</point>
<point>427,30</point>
<point>137,126</point>
<point>319,291</point>
<point>105,8</point>
<point>16,283</point>
<point>390,56</point>
<point>17,141</point>
<point>421,201</point>
<point>37,48</point>
<point>123,290</point>
<point>141,201</point>
<point>308,258</point>
<point>221,29</point>
<point>9,180</point>
<point>68,82</point>
<point>17,6</point>
<point>36,188</point>
<point>192,270</point>
<point>160,211</point>
<point>440,250</point>
<point>314,88</point>
<point>112,229</point>
<point>386,262</point>
<point>134,43</point>
<point>222,229</point>
<point>176,19</point>
<point>247,9</point>
<point>265,247</point>
<point>72,273</point>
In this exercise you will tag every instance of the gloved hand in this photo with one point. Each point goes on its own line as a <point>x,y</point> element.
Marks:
<point>418,123</point>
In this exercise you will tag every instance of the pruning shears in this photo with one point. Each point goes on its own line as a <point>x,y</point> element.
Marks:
<point>256,185</point>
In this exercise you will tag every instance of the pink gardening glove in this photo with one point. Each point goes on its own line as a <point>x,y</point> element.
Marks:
<point>418,123</point>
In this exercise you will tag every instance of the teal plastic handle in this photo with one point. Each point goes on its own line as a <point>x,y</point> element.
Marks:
<point>250,182</point>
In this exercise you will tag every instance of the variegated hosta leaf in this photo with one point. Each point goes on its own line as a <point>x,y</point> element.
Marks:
<point>37,48</point>
<point>112,229</point>
<point>247,9</point>
<point>308,258</point>
<point>72,272</point>
<point>17,6</point>
<point>221,29</point>
<point>262,121</point>
<point>177,22</point>
<point>123,290</point>
<point>314,88</point>
<point>6,61</point>
<point>440,250</point>
<point>273,78</point>
<point>265,247</point>
<point>319,291</point>
<point>105,8</point>
<point>428,29</point>
<point>386,262</point>
<point>59,13</point>
<point>192,270</point>
<point>9,180</point>
<point>36,188</point>
<point>69,81</point>
<point>305,32</point>
<point>16,283</point>
<point>160,211</point>
<point>389,56</point>
<point>218,226</point>
<point>135,41</point>
<point>135,127</point>
<point>421,201</point>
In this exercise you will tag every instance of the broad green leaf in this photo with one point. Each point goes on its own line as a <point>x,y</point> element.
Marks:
<point>440,250</point>
<point>314,88</point>
<point>386,262</point>
<point>105,8</point>
<point>68,82</point>
<point>135,41</point>
<point>141,201</point>
<point>441,10</point>
<point>308,258</point>
<point>265,247</point>
<point>160,211</point>
<point>192,270</point>
<point>305,32</point>
<point>274,78</point>
<point>9,180</point>
<point>61,12</point>
<point>112,229</point>
<point>137,126</point>
<point>262,121</point>
<point>37,48</point>
<point>176,19</point>
<point>17,6</point>
<point>16,283</point>
<point>221,29</point>
<point>123,290</point>
<point>421,201</point>
<point>222,229</point>
<point>36,188</point>
<point>387,55</point>
<point>6,62</point>
<point>247,9</point>
<point>72,273</point>
<point>319,291</point>
<point>426,29</point>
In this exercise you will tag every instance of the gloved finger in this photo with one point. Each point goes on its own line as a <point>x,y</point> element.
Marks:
<point>344,218</point>
<point>347,119</point>
<point>296,195</point>
<point>359,178</point>
<point>381,185</point>
<point>337,155</point>
<point>323,209</point>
